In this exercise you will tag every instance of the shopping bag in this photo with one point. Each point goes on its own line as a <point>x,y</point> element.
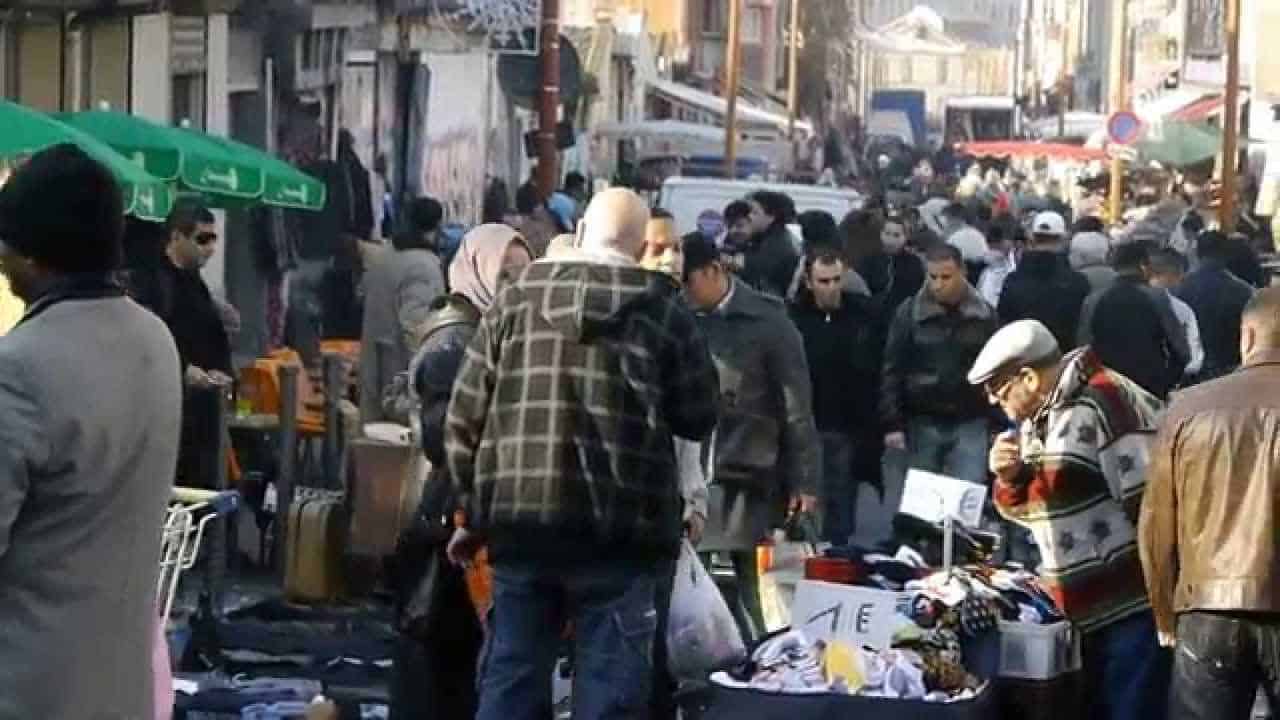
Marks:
<point>162,676</point>
<point>701,633</point>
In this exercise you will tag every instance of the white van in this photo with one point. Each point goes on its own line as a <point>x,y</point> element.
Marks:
<point>687,198</point>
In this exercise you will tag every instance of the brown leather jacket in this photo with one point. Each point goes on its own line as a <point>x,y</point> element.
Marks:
<point>1210,527</point>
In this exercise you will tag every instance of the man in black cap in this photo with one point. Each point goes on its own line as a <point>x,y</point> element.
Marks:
<point>90,396</point>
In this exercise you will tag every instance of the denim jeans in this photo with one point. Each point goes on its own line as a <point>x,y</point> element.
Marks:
<point>839,494</point>
<point>611,608</point>
<point>955,448</point>
<point>1126,670</point>
<point>1220,660</point>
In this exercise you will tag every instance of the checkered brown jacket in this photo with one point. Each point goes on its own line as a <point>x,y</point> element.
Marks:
<point>560,426</point>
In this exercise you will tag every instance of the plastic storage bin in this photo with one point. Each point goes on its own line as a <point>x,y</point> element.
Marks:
<point>1038,652</point>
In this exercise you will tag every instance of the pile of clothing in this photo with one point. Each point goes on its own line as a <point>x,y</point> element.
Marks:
<point>926,667</point>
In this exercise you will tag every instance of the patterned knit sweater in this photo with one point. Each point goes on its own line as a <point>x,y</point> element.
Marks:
<point>1080,489</point>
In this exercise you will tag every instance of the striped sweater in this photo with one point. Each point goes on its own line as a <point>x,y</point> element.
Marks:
<point>1080,489</point>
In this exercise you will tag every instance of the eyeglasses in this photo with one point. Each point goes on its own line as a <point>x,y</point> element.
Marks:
<point>998,390</point>
<point>206,238</point>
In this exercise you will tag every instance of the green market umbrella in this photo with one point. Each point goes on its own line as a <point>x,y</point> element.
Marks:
<point>28,131</point>
<point>1173,143</point>
<point>284,185</point>
<point>190,159</point>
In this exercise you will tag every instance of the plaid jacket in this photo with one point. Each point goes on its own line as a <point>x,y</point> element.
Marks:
<point>1080,489</point>
<point>560,427</point>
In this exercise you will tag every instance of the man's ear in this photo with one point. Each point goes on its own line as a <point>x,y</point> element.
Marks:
<point>1248,340</point>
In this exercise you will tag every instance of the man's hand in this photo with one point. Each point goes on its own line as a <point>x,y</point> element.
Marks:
<point>896,440</point>
<point>217,378</point>
<point>196,378</point>
<point>1006,457</point>
<point>463,547</point>
<point>804,503</point>
<point>695,526</point>
<point>1167,639</point>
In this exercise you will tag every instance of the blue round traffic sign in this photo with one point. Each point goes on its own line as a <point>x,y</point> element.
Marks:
<point>1124,128</point>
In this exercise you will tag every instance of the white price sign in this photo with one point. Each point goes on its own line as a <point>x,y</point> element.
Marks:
<point>855,615</point>
<point>933,497</point>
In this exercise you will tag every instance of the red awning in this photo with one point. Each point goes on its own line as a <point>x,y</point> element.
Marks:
<point>1053,151</point>
<point>1200,110</point>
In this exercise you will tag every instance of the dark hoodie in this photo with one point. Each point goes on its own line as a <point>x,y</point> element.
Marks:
<point>559,433</point>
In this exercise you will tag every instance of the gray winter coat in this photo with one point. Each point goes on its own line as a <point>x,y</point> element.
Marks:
<point>766,446</point>
<point>90,410</point>
<point>400,286</point>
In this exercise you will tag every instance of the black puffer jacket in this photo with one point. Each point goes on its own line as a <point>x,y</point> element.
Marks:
<point>1045,288</point>
<point>927,360</point>
<point>843,347</point>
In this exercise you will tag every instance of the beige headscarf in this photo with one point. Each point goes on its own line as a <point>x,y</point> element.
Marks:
<point>474,271</point>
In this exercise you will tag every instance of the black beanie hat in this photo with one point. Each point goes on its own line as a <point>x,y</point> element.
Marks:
<point>64,210</point>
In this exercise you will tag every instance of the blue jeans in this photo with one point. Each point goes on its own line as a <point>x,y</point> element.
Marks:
<point>956,449</point>
<point>1126,670</point>
<point>611,608</point>
<point>839,492</point>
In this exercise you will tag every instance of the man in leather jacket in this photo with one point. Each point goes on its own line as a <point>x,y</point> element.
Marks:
<point>1207,532</point>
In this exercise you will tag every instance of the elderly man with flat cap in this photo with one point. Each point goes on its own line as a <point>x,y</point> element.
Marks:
<point>1073,474</point>
<point>560,439</point>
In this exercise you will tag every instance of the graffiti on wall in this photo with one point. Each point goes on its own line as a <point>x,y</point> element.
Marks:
<point>455,173</point>
<point>456,148</point>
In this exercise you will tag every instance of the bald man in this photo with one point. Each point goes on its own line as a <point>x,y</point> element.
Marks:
<point>1210,551</point>
<point>560,439</point>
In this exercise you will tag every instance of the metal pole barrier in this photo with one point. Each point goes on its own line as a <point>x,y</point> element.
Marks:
<point>333,366</point>
<point>216,560</point>
<point>288,460</point>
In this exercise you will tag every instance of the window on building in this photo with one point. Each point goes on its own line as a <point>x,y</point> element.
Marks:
<point>943,75</point>
<point>753,25</point>
<point>715,14</point>
<point>188,99</point>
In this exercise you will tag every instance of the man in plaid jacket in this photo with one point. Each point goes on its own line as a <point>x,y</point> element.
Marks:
<point>1074,476</point>
<point>560,439</point>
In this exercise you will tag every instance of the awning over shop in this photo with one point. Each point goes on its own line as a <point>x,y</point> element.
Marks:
<point>1205,108</point>
<point>1051,151</point>
<point>1170,103</point>
<point>696,99</point>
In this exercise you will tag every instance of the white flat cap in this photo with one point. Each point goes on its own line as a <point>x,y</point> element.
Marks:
<point>1016,345</point>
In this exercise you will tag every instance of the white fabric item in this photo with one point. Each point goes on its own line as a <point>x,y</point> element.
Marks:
<point>991,282</point>
<point>1089,249</point>
<point>971,243</point>
<point>693,480</point>
<point>1187,317</point>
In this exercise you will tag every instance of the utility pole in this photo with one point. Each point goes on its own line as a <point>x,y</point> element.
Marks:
<point>1119,98</point>
<point>1067,71</point>
<point>548,174</point>
<point>1231,120</point>
<point>732,56</point>
<point>793,84</point>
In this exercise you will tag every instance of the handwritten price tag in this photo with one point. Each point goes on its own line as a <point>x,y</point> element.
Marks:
<point>854,615</point>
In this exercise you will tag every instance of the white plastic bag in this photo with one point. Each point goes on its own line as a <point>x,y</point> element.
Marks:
<point>701,633</point>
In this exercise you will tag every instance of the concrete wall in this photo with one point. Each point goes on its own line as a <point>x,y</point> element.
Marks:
<point>152,85</point>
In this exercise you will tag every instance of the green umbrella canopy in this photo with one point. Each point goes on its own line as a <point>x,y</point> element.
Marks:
<point>1178,144</point>
<point>284,185</point>
<point>27,131</point>
<point>191,159</point>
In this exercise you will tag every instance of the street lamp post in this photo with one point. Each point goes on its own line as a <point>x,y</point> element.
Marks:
<point>1231,120</point>
<point>732,56</point>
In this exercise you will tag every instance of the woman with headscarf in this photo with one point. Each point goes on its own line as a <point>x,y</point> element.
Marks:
<point>440,631</point>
